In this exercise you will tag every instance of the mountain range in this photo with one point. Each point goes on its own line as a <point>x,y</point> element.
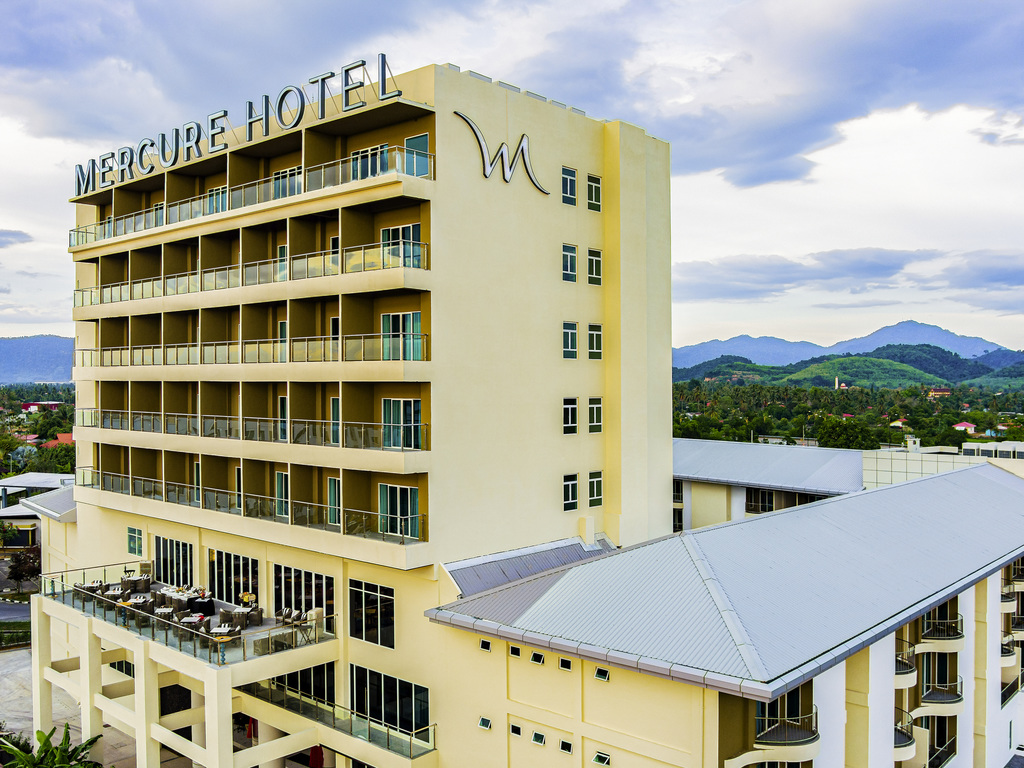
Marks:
<point>26,359</point>
<point>769,350</point>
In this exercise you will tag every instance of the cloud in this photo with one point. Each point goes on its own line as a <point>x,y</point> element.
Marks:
<point>866,304</point>
<point>985,271</point>
<point>13,237</point>
<point>746,278</point>
<point>5,289</point>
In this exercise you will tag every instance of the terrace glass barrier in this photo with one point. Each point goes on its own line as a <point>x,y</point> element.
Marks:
<point>905,659</point>
<point>222,501</point>
<point>87,417</point>
<point>265,351</point>
<point>181,424</point>
<point>322,516</point>
<point>904,728</point>
<point>144,421</point>
<point>87,297</point>
<point>180,493</point>
<point>148,355</point>
<point>265,430</point>
<point>115,482</point>
<point>316,349</point>
<point>306,432</point>
<point>221,352</point>
<point>266,508</point>
<point>181,284</point>
<point>411,744</point>
<point>386,346</point>
<point>399,529</point>
<point>115,356</point>
<point>227,427</point>
<point>148,488</point>
<point>181,354</point>
<point>385,437</point>
<point>281,185</point>
<point>265,272</point>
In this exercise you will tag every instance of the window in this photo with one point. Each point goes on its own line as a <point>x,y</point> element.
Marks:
<point>596,489</point>
<point>569,341</point>
<point>808,498</point>
<point>537,658</point>
<point>286,183</point>
<point>569,492</point>
<point>172,562</point>
<point>231,575</point>
<point>485,723</point>
<point>677,520</point>
<point>760,500</point>
<point>304,590</point>
<point>593,193</point>
<point>515,650</point>
<point>485,645</point>
<point>565,665</point>
<point>594,341</point>
<point>400,247</point>
<point>217,200</point>
<point>539,739</point>
<point>594,267</point>
<point>401,423</point>
<point>602,758</point>
<point>417,157</point>
<point>333,488</point>
<point>677,491</point>
<point>602,674</point>
<point>565,746</point>
<point>135,541</point>
<point>568,186</point>
<point>569,416</point>
<point>569,263</point>
<point>515,730</point>
<point>398,508</point>
<point>595,414</point>
<point>371,613</point>
<point>368,162</point>
<point>400,336</point>
<point>390,701</point>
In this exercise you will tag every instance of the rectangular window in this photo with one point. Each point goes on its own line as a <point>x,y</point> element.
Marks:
<point>595,414</point>
<point>135,541</point>
<point>593,267</point>
<point>217,200</point>
<point>677,491</point>
<point>304,590</point>
<point>417,157</point>
<point>281,496</point>
<point>398,508</point>
<point>593,193</point>
<point>568,186</point>
<point>333,500</point>
<point>596,488</point>
<point>677,520</point>
<point>172,562</point>
<point>594,343</point>
<point>238,487</point>
<point>286,183</point>
<point>369,162</point>
<point>231,575</point>
<point>400,247</point>
<point>569,263</point>
<point>760,500</point>
<point>570,492</point>
<point>371,613</point>
<point>401,425</point>
<point>569,416</point>
<point>569,341</point>
<point>390,701</point>
<point>565,665</point>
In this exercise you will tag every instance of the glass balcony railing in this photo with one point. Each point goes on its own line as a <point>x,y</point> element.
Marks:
<point>943,629</point>
<point>265,430</point>
<point>786,731</point>
<point>316,349</point>
<point>280,186</point>
<point>181,424</point>
<point>181,354</point>
<point>386,346</point>
<point>226,427</point>
<point>308,432</point>
<point>398,529</point>
<point>384,437</point>
<point>322,516</point>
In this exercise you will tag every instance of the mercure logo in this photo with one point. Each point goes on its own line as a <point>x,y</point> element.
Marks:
<point>508,164</point>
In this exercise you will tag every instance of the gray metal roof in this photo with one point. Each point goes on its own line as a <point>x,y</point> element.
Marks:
<point>478,574</point>
<point>38,480</point>
<point>58,504</point>
<point>758,606</point>
<point>825,471</point>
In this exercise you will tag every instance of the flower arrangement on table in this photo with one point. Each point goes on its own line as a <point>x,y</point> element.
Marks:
<point>248,599</point>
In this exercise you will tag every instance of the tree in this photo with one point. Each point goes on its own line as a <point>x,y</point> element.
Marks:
<point>25,566</point>
<point>48,755</point>
<point>60,458</point>
<point>7,533</point>
<point>843,433</point>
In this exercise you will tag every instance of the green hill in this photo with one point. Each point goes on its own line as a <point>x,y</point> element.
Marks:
<point>701,370</point>
<point>1010,377</point>
<point>934,360</point>
<point>862,372</point>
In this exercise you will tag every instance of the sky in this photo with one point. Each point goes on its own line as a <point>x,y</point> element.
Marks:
<point>836,166</point>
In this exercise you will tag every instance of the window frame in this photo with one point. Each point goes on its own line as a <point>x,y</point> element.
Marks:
<point>594,266</point>
<point>359,601</point>
<point>593,193</point>
<point>595,415</point>
<point>134,541</point>
<point>569,257</point>
<point>569,177</point>
<point>570,492</point>
<point>570,420</point>
<point>595,489</point>
<point>595,341</point>
<point>570,340</point>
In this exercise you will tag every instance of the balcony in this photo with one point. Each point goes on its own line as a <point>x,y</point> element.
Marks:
<point>1017,627</point>
<point>1007,651</point>
<point>941,635</point>
<point>781,739</point>
<point>1007,597</point>
<point>906,667</point>
<point>941,699</point>
<point>1017,575</point>
<point>904,745</point>
<point>938,756</point>
<point>83,590</point>
<point>1008,690</point>
<point>412,744</point>
<point>407,162</point>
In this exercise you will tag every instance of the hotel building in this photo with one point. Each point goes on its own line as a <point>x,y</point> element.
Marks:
<point>319,355</point>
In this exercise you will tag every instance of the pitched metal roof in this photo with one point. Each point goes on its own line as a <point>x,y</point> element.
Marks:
<point>478,574</point>
<point>756,607</point>
<point>826,471</point>
<point>39,480</point>
<point>57,505</point>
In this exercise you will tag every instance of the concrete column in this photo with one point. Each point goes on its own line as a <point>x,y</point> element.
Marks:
<point>147,709</point>
<point>687,505</point>
<point>199,729</point>
<point>737,502</point>
<point>830,698</point>
<point>90,681</point>
<point>965,667</point>
<point>217,689</point>
<point>881,700</point>
<point>42,689</point>
<point>267,732</point>
<point>330,758</point>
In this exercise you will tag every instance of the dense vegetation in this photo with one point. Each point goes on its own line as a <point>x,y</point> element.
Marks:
<point>16,455</point>
<point>856,417</point>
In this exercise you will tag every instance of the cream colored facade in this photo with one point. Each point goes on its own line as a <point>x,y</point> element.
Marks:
<point>338,352</point>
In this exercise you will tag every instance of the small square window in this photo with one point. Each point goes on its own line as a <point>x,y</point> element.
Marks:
<point>594,267</point>
<point>596,489</point>
<point>595,414</point>
<point>594,343</point>
<point>568,186</point>
<point>602,758</point>
<point>565,664</point>
<point>569,492</point>
<point>485,723</point>
<point>569,341</point>
<point>569,409</point>
<point>593,193</point>
<point>485,645</point>
<point>537,657</point>
<point>514,650</point>
<point>135,541</point>
<point>602,674</point>
<point>569,263</point>
<point>539,738</point>
<point>515,730</point>
<point>565,746</point>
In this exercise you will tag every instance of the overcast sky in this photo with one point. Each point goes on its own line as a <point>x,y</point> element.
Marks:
<point>837,166</point>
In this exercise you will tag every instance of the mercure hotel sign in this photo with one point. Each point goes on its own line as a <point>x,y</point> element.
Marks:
<point>183,143</point>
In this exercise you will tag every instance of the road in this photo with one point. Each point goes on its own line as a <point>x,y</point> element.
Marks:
<point>14,611</point>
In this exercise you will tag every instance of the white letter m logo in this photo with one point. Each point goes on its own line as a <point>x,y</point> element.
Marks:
<point>508,165</point>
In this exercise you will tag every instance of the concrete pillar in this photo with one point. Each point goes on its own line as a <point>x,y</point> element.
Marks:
<point>199,729</point>
<point>687,505</point>
<point>219,742</point>
<point>147,709</point>
<point>90,681</point>
<point>830,698</point>
<point>42,689</point>
<point>267,732</point>
<point>330,758</point>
